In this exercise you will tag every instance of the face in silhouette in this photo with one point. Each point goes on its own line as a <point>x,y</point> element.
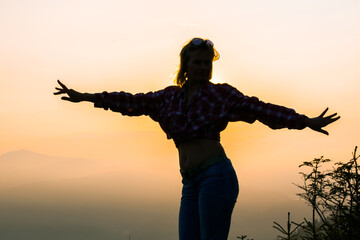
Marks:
<point>199,67</point>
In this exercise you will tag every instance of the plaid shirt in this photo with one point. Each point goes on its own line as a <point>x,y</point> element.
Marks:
<point>208,113</point>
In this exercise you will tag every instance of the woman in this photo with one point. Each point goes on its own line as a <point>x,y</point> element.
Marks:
<point>193,114</point>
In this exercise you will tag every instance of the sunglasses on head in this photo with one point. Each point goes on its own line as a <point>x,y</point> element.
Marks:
<point>199,41</point>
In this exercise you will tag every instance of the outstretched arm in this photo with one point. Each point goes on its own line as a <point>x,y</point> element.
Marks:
<point>126,103</point>
<point>317,123</point>
<point>72,95</point>
<point>250,109</point>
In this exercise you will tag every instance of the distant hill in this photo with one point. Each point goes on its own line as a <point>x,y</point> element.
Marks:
<point>27,167</point>
<point>30,176</point>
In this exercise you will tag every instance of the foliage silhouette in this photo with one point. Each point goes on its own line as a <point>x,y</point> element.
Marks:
<point>289,234</point>
<point>334,198</point>
<point>242,237</point>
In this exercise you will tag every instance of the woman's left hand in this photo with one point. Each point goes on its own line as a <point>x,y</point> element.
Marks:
<point>321,121</point>
<point>72,95</point>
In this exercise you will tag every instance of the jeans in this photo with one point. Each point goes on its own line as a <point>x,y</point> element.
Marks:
<point>207,203</point>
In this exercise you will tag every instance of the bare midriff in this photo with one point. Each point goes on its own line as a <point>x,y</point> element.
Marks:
<point>194,152</point>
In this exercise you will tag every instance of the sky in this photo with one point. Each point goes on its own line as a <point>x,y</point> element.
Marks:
<point>303,54</point>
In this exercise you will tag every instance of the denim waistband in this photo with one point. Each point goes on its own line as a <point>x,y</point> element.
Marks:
<point>192,172</point>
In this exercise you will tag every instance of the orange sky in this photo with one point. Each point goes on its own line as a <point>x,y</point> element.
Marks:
<point>301,54</point>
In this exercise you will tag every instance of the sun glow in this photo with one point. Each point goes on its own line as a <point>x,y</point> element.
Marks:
<point>301,54</point>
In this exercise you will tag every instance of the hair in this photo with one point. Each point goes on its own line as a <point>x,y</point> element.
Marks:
<point>185,56</point>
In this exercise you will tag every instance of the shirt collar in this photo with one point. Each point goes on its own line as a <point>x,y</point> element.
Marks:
<point>203,88</point>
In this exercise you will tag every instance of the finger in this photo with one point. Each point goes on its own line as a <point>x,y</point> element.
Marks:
<point>333,119</point>
<point>332,115</point>
<point>323,113</point>
<point>323,131</point>
<point>66,99</point>
<point>60,92</point>
<point>62,85</point>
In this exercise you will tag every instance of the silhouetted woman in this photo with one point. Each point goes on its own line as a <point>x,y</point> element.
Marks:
<point>193,114</point>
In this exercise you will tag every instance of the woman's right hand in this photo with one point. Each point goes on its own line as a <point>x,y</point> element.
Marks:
<point>72,95</point>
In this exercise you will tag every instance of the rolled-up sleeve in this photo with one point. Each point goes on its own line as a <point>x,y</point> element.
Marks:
<point>250,109</point>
